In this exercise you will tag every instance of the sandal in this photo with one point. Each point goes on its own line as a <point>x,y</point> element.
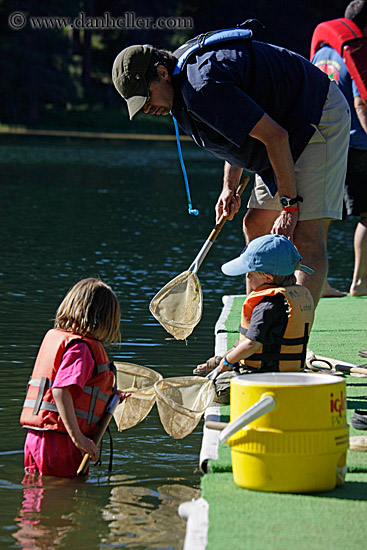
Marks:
<point>362,353</point>
<point>359,419</point>
<point>210,365</point>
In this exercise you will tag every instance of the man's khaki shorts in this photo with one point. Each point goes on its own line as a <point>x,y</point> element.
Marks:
<point>321,169</point>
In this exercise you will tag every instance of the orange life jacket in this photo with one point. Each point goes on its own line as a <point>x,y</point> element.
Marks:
<point>39,408</point>
<point>293,345</point>
<point>344,36</point>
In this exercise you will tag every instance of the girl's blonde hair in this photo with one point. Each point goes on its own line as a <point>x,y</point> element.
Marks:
<point>90,308</point>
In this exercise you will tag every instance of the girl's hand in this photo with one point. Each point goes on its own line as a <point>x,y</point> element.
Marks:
<point>65,406</point>
<point>87,446</point>
<point>123,395</point>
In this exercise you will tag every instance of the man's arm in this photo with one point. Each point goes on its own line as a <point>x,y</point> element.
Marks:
<point>361,109</point>
<point>229,202</point>
<point>275,139</point>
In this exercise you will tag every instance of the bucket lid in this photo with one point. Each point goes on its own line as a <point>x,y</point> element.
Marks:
<point>286,379</point>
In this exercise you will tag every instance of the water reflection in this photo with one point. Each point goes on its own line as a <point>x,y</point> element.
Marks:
<point>139,516</point>
<point>54,511</point>
<point>48,513</point>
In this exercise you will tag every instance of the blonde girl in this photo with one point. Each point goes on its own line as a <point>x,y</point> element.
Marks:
<point>72,381</point>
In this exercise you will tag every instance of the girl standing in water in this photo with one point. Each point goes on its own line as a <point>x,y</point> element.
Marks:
<point>72,381</point>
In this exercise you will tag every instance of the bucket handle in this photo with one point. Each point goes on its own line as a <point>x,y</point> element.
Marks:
<point>266,404</point>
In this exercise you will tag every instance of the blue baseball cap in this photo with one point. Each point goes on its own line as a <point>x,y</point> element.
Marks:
<point>273,254</point>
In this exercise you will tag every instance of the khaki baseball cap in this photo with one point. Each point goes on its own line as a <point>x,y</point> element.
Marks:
<point>128,76</point>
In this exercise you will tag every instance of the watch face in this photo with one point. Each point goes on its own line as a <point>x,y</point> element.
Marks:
<point>284,201</point>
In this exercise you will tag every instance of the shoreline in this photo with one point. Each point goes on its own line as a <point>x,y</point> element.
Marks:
<point>90,135</point>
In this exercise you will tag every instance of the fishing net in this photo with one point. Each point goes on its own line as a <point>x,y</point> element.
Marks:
<point>179,304</point>
<point>139,381</point>
<point>181,403</point>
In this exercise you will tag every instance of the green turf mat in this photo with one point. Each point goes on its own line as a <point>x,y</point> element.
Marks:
<point>234,318</point>
<point>241,519</point>
<point>340,328</point>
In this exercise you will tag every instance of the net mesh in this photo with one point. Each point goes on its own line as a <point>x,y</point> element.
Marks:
<point>139,381</point>
<point>181,403</point>
<point>178,305</point>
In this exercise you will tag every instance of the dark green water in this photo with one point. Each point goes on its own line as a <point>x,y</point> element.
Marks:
<point>71,210</point>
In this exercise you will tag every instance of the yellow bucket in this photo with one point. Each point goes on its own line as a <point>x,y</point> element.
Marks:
<point>298,437</point>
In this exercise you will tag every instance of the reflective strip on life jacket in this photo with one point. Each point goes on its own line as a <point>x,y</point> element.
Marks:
<point>45,406</point>
<point>38,404</point>
<point>102,368</point>
<point>285,341</point>
<point>36,382</point>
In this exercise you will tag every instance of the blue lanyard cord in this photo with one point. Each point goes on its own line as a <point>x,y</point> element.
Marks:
<point>191,209</point>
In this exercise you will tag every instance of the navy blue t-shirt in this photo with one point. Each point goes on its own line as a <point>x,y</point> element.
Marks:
<point>268,324</point>
<point>221,94</point>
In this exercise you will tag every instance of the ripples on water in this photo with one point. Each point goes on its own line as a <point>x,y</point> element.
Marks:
<point>71,210</point>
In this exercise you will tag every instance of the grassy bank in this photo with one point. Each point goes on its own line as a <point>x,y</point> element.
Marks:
<point>99,119</point>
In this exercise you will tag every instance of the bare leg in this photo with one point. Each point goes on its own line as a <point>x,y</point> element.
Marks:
<point>329,291</point>
<point>258,222</point>
<point>310,242</point>
<point>359,283</point>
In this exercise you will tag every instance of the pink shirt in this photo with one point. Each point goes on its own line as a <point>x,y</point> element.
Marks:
<point>53,453</point>
<point>76,366</point>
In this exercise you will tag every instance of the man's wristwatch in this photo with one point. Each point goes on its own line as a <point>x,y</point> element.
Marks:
<point>286,202</point>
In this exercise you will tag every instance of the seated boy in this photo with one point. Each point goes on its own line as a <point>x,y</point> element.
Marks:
<point>276,316</point>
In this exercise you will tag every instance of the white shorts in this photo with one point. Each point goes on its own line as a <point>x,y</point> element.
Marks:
<point>321,168</point>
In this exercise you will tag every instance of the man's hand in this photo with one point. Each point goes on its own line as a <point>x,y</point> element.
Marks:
<point>229,201</point>
<point>285,224</point>
<point>228,204</point>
